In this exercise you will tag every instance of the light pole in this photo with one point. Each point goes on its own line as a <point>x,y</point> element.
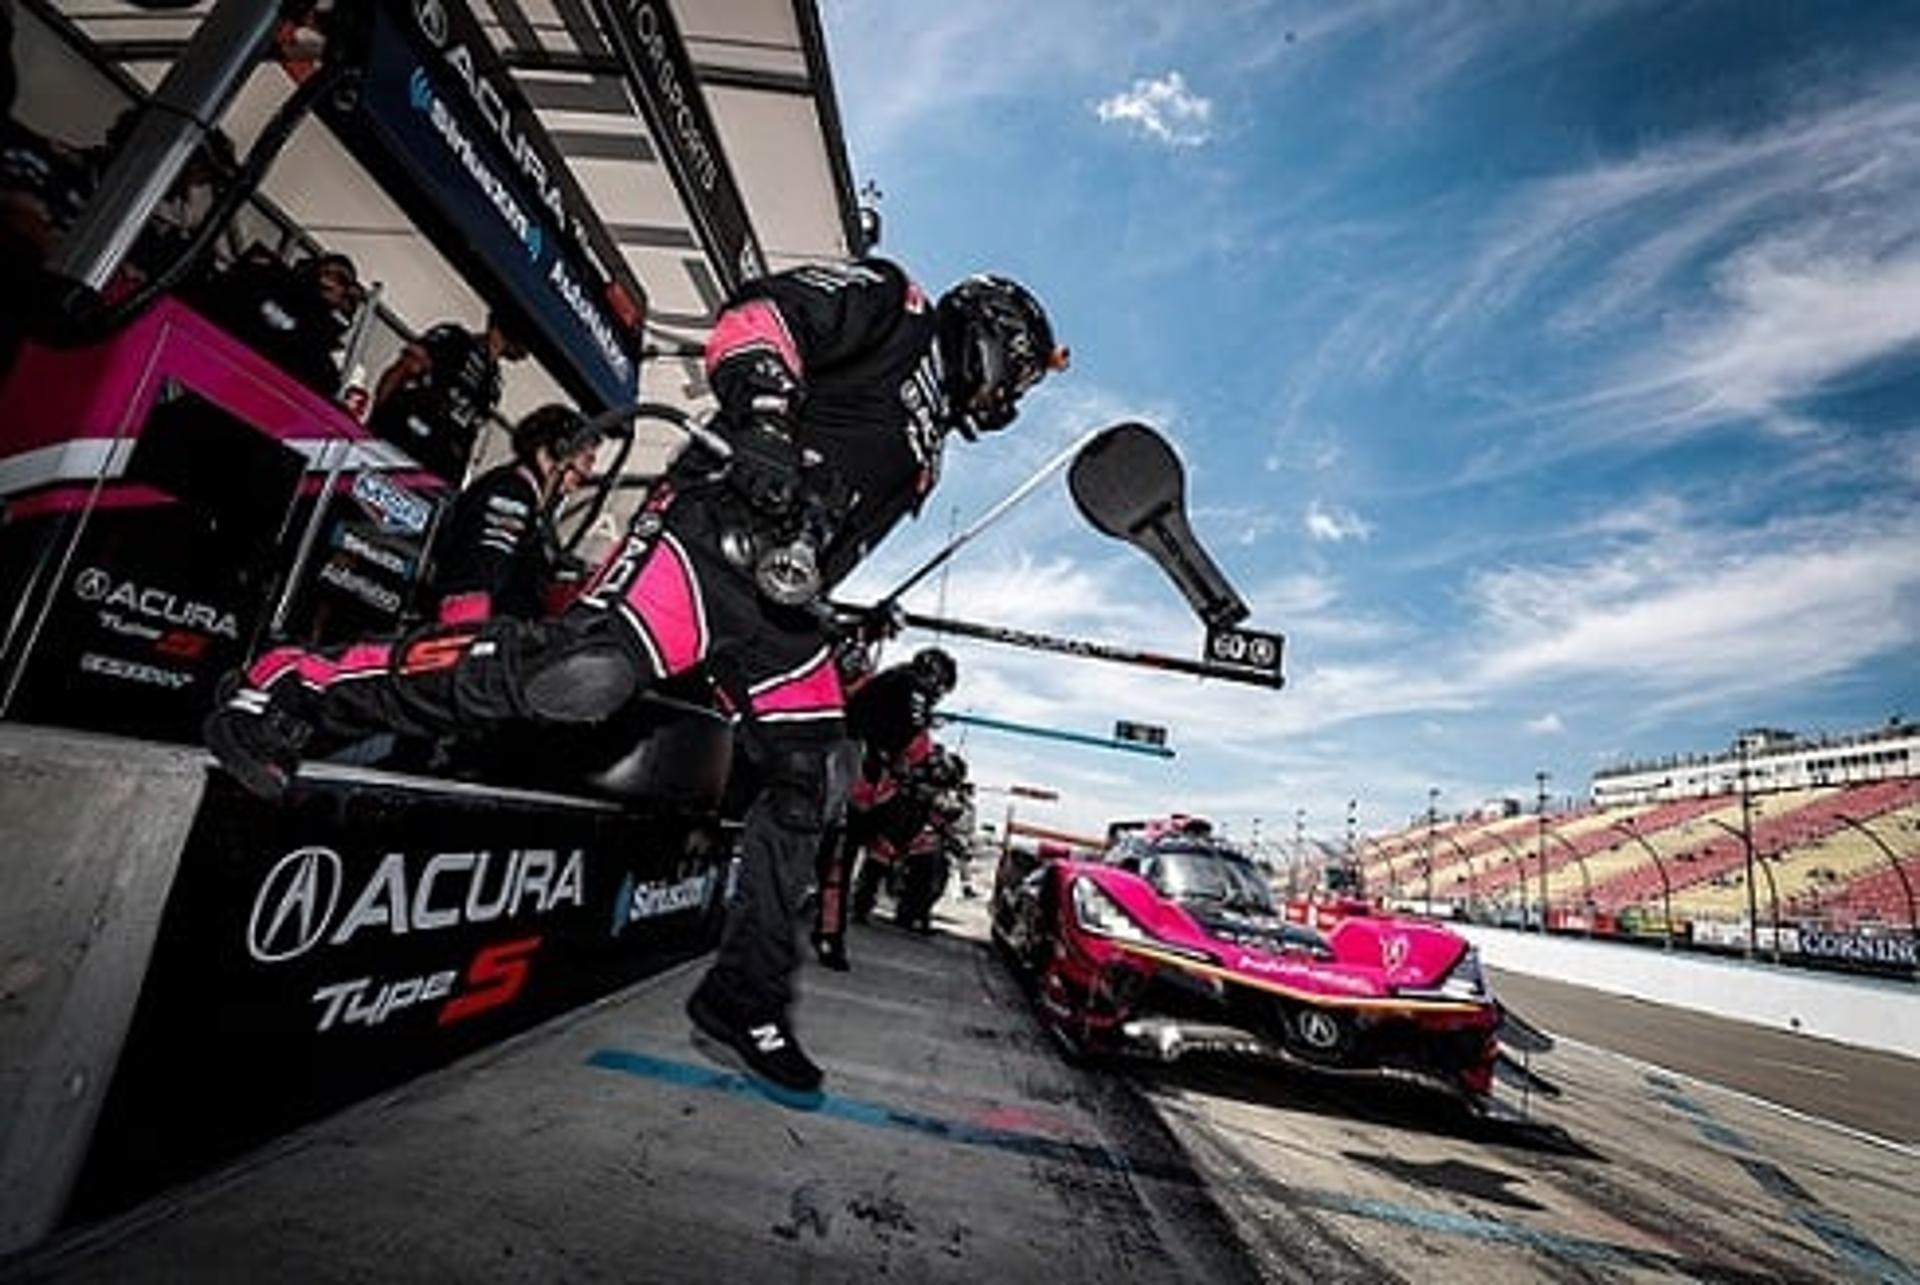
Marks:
<point>1626,827</point>
<point>1540,815</point>
<point>1433,821</point>
<point>1906,884</point>
<point>1586,880</point>
<point>1472,879</point>
<point>1745,836</point>
<point>1519,860</point>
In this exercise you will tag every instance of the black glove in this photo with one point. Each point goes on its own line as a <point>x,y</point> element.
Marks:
<point>880,623</point>
<point>766,466</point>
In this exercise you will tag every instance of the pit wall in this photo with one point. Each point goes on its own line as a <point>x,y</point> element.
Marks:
<point>187,972</point>
<point>1864,1012</point>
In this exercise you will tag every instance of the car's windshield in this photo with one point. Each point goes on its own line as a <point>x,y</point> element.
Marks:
<point>1201,874</point>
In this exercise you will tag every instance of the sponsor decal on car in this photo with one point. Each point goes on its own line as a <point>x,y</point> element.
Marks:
<point>297,906</point>
<point>1292,971</point>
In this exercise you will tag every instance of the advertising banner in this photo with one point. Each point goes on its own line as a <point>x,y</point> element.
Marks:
<point>659,71</point>
<point>322,949</point>
<point>441,125</point>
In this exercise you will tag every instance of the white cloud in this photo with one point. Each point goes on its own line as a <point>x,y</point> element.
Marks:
<point>1791,246</point>
<point>1700,616</point>
<point>1329,523</point>
<point>1548,724</point>
<point>1163,109</point>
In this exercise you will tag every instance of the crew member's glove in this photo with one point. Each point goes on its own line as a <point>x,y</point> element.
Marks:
<point>766,466</point>
<point>881,622</point>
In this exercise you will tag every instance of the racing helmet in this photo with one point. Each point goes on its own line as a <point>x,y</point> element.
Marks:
<point>996,343</point>
<point>934,671</point>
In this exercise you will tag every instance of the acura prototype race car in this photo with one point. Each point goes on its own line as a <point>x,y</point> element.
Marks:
<point>1172,942</point>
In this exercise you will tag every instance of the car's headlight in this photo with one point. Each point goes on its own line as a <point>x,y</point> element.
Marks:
<point>1100,914</point>
<point>1463,982</point>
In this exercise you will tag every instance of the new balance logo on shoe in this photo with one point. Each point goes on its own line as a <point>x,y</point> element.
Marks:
<point>248,700</point>
<point>768,1038</point>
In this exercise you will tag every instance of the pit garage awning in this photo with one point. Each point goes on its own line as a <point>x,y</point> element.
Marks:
<point>655,156</point>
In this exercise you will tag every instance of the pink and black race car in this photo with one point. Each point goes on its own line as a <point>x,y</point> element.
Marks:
<point>1172,942</point>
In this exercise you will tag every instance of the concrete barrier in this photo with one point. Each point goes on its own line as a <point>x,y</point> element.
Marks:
<point>1864,1012</point>
<point>91,830</point>
<point>186,971</point>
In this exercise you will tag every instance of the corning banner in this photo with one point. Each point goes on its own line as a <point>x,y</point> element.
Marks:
<point>319,950</point>
<point>448,135</point>
<point>660,74</point>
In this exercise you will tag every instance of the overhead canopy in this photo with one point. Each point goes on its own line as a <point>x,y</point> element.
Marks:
<point>590,70</point>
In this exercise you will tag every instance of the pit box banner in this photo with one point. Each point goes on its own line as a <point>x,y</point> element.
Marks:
<point>317,951</point>
<point>440,123</point>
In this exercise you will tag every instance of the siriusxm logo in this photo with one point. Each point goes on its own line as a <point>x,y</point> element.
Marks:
<point>523,226</point>
<point>637,901</point>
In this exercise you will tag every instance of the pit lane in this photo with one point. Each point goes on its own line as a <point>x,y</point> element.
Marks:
<point>956,1144</point>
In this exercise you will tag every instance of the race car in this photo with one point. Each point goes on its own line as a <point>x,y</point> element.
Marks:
<point>1171,942</point>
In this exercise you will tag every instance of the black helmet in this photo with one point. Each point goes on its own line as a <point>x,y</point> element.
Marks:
<point>562,430</point>
<point>996,343</point>
<point>934,670</point>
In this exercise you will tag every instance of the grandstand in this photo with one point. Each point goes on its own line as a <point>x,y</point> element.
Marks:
<point>1840,858</point>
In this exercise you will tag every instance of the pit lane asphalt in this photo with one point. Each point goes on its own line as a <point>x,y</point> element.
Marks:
<point>956,1145</point>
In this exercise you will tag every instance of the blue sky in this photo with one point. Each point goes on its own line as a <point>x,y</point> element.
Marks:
<point>1549,374</point>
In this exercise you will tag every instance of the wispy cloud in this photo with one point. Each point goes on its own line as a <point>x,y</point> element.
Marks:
<point>1332,524</point>
<point>1791,244</point>
<point>1162,109</point>
<point>1706,615</point>
<point>1548,724</point>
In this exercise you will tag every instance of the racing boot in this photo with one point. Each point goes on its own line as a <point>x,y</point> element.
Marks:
<point>767,1045</point>
<point>256,736</point>
<point>831,950</point>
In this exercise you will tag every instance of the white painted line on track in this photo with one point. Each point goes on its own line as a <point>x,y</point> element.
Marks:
<point>1799,1069</point>
<point>1901,1148</point>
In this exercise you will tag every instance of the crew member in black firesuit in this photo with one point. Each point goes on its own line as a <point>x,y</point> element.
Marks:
<point>903,812</point>
<point>837,387</point>
<point>929,855</point>
<point>295,315</point>
<point>430,402</point>
<point>495,554</point>
<point>888,714</point>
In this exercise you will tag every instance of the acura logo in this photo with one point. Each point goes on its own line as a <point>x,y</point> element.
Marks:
<point>92,585</point>
<point>1319,1030</point>
<point>432,17</point>
<point>294,905</point>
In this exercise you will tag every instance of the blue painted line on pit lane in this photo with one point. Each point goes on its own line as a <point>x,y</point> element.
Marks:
<point>875,1115</point>
<point>1680,1103</point>
<point>1833,1230</point>
<point>1722,1136</point>
<point>1495,1230</point>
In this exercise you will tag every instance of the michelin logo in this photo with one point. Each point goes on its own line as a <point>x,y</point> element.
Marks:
<point>638,901</point>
